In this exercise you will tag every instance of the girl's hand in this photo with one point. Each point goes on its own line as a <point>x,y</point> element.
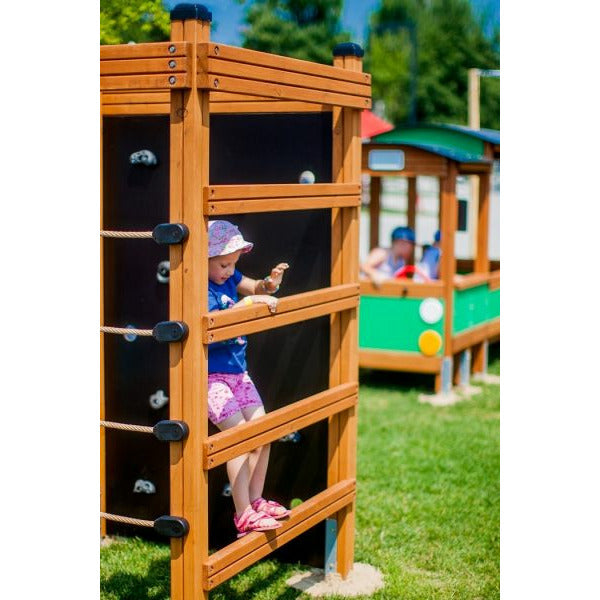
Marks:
<point>270,301</point>
<point>277,273</point>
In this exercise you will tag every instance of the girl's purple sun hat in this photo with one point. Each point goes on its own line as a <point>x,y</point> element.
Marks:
<point>224,238</point>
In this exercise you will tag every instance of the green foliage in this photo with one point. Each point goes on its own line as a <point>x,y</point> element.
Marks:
<point>449,41</point>
<point>305,29</point>
<point>123,21</point>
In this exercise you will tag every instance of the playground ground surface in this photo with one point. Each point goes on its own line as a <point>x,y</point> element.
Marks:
<point>428,505</point>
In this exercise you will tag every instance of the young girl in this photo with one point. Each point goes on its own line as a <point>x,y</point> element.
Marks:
<point>232,396</point>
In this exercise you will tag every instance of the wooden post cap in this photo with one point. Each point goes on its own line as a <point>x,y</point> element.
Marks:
<point>348,49</point>
<point>184,12</point>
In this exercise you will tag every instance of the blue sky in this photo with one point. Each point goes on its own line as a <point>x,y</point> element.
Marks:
<point>229,17</point>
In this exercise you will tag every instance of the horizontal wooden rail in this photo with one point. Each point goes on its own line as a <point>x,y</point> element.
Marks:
<point>219,67</point>
<point>144,82</point>
<point>258,205</point>
<point>389,360</point>
<point>484,331</point>
<point>142,97</point>
<point>470,280</point>
<point>280,91</point>
<point>279,190</point>
<point>144,66</point>
<point>283,63</point>
<point>226,445</point>
<point>145,50</point>
<point>277,106</point>
<point>402,288</point>
<point>136,109</point>
<point>235,557</point>
<point>228,324</point>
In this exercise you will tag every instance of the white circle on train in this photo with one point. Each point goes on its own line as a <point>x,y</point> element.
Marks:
<point>431,310</point>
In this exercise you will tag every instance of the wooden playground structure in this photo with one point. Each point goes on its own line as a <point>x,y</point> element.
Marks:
<point>186,80</point>
<point>466,306</point>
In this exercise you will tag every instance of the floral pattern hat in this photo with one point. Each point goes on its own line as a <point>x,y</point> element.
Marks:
<point>224,238</point>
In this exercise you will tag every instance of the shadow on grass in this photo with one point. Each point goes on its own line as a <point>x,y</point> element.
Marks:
<point>154,585</point>
<point>228,591</point>
<point>397,380</point>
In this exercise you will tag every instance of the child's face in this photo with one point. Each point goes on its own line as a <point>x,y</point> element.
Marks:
<point>403,249</point>
<point>221,268</point>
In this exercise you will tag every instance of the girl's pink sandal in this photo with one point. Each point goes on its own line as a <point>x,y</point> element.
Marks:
<point>252,520</point>
<point>271,508</point>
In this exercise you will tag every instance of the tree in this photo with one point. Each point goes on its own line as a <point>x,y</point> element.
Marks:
<point>305,29</point>
<point>449,41</point>
<point>123,21</point>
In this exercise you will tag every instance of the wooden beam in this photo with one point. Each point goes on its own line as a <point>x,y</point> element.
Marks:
<point>224,207</point>
<point>136,109</point>
<point>402,288</point>
<point>268,106</point>
<point>289,190</point>
<point>216,319</point>
<point>277,431</point>
<point>282,63</point>
<point>164,81</point>
<point>228,561</point>
<point>464,282</point>
<point>482,260</point>
<point>144,66</point>
<point>494,282</point>
<point>449,208</point>
<point>469,338</point>
<point>389,360</point>
<point>412,203</point>
<point>174,48</point>
<point>278,320</point>
<point>374,211</point>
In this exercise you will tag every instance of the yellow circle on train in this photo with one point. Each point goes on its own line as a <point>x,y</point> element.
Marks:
<point>430,342</point>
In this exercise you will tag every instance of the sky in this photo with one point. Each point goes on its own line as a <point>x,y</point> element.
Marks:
<point>229,17</point>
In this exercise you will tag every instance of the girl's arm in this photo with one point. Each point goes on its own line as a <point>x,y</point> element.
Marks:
<point>268,285</point>
<point>374,260</point>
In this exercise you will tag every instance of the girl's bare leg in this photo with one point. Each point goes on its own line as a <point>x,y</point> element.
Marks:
<point>238,469</point>
<point>258,459</point>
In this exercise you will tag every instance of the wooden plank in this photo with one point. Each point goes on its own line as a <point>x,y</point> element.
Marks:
<point>136,109</point>
<point>226,207</point>
<point>296,190</point>
<point>276,432</point>
<point>278,320</point>
<point>222,318</point>
<point>229,437</point>
<point>398,361</point>
<point>277,106</point>
<point>475,335</point>
<point>374,211</point>
<point>464,282</point>
<point>230,560</point>
<point>402,289</point>
<point>144,66</point>
<point>482,259</point>
<point>195,295</point>
<point>449,210</point>
<point>102,370</point>
<point>141,82</point>
<point>494,282</point>
<point>351,157</point>
<point>412,202</point>
<point>283,63</point>
<point>141,97</point>
<point>280,91</point>
<point>145,50</point>
<point>219,67</point>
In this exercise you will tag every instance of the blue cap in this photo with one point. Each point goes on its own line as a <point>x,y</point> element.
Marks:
<point>403,233</point>
<point>438,236</point>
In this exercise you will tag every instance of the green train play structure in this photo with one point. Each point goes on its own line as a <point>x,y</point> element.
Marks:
<point>442,327</point>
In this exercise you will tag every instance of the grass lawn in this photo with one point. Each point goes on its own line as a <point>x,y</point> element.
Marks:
<point>428,505</point>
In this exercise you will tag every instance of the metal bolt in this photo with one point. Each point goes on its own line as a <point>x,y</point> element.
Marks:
<point>216,82</point>
<point>217,49</point>
<point>171,49</point>
<point>172,64</point>
<point>172,79</point>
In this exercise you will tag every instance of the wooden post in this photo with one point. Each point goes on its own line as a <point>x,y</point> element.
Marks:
<point>449,208</point>
<point>482,261</point>
<point>474,181</point>
<point>102,371</point>
<point>412,203</point>
<point>346,165</point>
<point>188,298</point>
<point>374,211</point>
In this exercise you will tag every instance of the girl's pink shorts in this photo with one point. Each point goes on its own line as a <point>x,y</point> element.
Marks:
<point>228,393</point>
